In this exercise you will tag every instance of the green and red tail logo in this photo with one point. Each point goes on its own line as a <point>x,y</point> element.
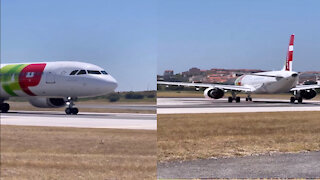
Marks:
<point>19,77</point>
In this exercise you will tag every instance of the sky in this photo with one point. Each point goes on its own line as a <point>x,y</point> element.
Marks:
<point>135,40</point>
<point>237,34</point>
<point>118,35</point>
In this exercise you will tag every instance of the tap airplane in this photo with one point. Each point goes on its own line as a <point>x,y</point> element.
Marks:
<point>271,82</point>
<point>53,84</point>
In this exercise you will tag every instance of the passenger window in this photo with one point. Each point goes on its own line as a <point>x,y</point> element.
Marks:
<point>104,72</point>
<point>82,72</point>
<point>93,72</point>
<point>74,72</point>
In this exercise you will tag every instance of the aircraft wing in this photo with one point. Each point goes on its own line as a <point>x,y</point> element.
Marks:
<point>220,86</point>
<point>305,87</point>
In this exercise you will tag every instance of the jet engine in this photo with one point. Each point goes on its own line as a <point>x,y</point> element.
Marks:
<point>214,93</point>
<point>43,102</point>
<point>308,94</point>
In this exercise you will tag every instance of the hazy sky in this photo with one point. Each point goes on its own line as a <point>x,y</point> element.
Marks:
<point>237,34</point>
<point>120,36</point>
<point>135,40</point>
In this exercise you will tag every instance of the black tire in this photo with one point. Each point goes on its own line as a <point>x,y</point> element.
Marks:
<point>237,99</point>
<point>68,111</point>
<point>74,111</point>
<point>5,107</point>
<point>247,99</point>
<point>250,99</point>
<point>230,99</point>
<point>300,100</point>
<point>292,99</point>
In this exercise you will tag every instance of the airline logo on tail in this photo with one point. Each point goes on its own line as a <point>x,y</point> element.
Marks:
<point>17,77</point>
<point>288,66</point>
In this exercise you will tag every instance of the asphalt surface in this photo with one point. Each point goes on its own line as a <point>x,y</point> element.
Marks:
<point>299,165</point>
<point>83,119</point>
<point>119,106</point>
<point>202,105</point>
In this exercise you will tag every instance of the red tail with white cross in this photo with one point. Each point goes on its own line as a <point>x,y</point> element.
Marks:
<point>288,65</point>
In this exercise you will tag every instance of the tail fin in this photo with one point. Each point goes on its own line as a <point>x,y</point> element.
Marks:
<point>288,65</point>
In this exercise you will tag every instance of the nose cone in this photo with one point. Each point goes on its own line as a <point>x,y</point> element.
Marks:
<point>107,84</point>
<point>100,85</point>
<point>112,82</point>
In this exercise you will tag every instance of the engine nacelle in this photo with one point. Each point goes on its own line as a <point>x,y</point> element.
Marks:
<point>213,93</point>
<point>308,94</point>
<point>43,102</point>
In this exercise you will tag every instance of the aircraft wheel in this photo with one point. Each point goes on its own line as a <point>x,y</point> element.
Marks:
<point>74,111</point>
<point>230,99</point>
<point>292,99</point>
<point>247,99</point>
<point>68,111</point>
<point>250,99</point>
<point>300,100</point>
<point>237,99</point>
<point>5,107</point>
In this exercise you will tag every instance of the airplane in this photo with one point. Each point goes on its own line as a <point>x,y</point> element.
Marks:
<point>53,84</point>
<point>270,82</point>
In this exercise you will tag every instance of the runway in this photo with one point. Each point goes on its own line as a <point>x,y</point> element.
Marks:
<point>202,105</point>
<point>119,106</point>
<point>278,165</point>
<point>83,120</point>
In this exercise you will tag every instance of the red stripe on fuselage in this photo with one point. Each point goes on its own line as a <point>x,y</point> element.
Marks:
<point>31,76</point>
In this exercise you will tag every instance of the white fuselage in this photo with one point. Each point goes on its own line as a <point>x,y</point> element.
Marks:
<point>53,79</point>
<point>264,82</point>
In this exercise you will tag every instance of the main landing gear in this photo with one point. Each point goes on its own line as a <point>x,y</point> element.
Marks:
<point>70,109</point>
<point>234,97</point>
<point>296,97</point>
<point>4,107</point>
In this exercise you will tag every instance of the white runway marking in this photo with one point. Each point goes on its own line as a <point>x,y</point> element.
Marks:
<point>83,120</point>
<point>198,105</point>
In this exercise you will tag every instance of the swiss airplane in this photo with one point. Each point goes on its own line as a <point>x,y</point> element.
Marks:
<point>53,84</point>
<point>271,82</point>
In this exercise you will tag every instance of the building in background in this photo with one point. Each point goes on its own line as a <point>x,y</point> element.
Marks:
<point>225,76</point>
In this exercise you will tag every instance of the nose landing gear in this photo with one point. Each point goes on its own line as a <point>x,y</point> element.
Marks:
<point>70,106</point>
<point>248,98</point>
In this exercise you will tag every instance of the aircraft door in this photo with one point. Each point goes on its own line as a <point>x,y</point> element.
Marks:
<point>50,79</point>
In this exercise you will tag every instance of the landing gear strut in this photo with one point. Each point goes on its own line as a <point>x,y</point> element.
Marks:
<point>70,109</point>
<point>248,98</point>
<point>297,97</point>
<point>233,97</point>
<point>4,107</point>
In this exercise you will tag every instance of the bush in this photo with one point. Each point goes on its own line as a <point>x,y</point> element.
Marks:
<point>113,97</point>
<point>133,95</point>
<point>151,95</point>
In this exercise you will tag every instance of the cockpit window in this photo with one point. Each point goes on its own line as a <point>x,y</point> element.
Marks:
<point>104,72</point>
<point>82,72</point>
<point>93,72</point>
<point>74,72</point>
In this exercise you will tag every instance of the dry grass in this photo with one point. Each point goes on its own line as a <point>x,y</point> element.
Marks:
<point>192,136</point>
<point>76,153</point>
<point>199,94</point>
<point>25,106</point>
